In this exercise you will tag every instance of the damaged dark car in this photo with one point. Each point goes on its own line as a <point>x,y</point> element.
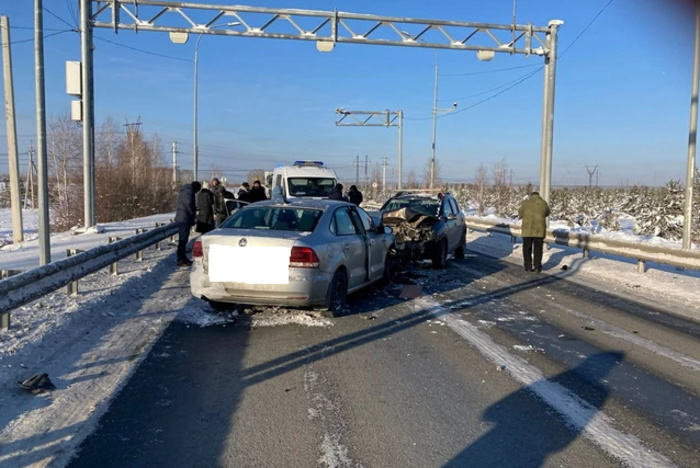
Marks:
<point>426,226</point>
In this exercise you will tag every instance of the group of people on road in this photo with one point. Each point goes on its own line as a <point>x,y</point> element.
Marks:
<point>354,196</point>
<point>203,205</point>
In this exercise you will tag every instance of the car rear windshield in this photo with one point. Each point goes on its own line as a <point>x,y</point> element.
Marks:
<point>424,205</point>
<point>274,218</point>
<point>310,186</point>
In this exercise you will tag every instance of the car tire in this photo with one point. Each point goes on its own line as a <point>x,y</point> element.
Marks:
<point>220,306</point>
<point>440,255</point>
<point>336,295</point>
<point>388,272</point>
<point>459,251</point>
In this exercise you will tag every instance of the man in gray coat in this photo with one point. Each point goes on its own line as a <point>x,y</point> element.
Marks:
<point>534,212</point>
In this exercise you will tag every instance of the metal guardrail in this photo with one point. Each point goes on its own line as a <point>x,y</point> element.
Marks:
<point>32,284</point>
<point>590,243</point>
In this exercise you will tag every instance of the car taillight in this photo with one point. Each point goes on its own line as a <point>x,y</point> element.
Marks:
<point>303,257</point>
<point>197,251</point>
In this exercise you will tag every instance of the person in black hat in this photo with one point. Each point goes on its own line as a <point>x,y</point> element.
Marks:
<point>354,195</point>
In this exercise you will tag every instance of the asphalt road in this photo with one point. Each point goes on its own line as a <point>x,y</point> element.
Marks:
<point>491,367</point>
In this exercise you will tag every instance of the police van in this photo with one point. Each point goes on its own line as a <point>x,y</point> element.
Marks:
<point>307,179</point>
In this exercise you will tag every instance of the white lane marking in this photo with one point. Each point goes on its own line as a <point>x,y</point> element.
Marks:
<point>611,330</point>
<point>594,424</point>
<point>333,454</point>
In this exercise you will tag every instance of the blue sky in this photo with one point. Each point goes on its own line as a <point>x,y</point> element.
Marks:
<point>622,92</point>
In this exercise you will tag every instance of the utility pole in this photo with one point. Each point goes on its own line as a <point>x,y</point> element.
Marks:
<point>384,174</point>
<point>591,173</point>
<point>29,189</point>
<point>366,160</point>
<point>692,138</point>
<point>88,114</point>
<point>357,169</point>
<point>174,163</point>
<point>597,174</point>
<point>12,155</point>
<point>42,170</point>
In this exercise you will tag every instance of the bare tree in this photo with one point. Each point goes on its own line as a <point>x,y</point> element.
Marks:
<point>426,174</point>
<point>64,145</point>
<point>500,186</point>
<point>480,186</point>
<point>256,174</point>
<point>411,180</point>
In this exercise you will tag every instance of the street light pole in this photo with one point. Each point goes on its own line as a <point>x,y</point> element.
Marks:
<point>435,111</point>
<point>195,149</point>
<point>194,118</point>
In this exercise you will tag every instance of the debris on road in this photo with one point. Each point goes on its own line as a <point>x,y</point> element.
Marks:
<point>411,291</point>
<point>37,383</point>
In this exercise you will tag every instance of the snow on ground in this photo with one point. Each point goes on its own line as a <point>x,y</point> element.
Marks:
<point>661,284</point>
<point>30,225</point>
<point>25,255</point>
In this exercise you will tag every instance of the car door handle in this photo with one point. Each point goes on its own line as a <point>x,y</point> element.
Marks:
<point>346,246</point>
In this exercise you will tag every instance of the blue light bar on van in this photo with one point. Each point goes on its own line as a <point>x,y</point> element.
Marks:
<point>308,163</point>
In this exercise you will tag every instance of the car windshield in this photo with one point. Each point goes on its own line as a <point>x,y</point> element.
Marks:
<point>275,218</point>
<point>310,186</point>
<point>428,206</point>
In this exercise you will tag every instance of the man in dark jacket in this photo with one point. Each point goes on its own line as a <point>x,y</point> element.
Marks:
<point>534,212</point>
<point>257,192</point>
<point>336,193</point>
<point>243,192</point>
<point>205,210</point>
<point>219,190</point>
<point>184,217</point>
<point>354,195</point>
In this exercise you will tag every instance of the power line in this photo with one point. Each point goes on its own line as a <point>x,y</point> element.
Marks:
<point>526,77</point>
<point>487,91</point>
<point>586,28</point>
<point>45,36</point>
<point>484,72</point>
<point>142,50</point>
<point>59,18</point>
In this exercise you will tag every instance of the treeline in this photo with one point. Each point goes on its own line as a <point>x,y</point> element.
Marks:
<point>658,211</point>
<point>131,178</point>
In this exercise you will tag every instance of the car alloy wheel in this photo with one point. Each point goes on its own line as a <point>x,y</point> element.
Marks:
<point>337,294</point>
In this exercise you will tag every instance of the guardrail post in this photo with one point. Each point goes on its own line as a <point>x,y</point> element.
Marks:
<point>5,318</point>
<point>641,266</point>
<point>157,244</point>
<point>139,254</point>
<point>586,253</point>
<point>113,267</point>
<point>72,288</point>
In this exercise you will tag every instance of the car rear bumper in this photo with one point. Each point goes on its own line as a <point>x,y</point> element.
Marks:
<point>306,287</point>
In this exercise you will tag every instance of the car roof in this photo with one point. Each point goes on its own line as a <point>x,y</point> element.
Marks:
<point>319,204</point>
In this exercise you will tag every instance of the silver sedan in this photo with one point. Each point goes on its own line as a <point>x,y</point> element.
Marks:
<point>299,253</point>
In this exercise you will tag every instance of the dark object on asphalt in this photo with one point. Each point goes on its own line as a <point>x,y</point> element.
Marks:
<point>425,227</point>
<point>565,267</point>
<point>38,383</point>
<point>588,328</point>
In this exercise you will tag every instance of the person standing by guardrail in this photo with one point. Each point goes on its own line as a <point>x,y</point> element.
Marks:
<point>184,217</point>
<point>205,210</point>
<point>219,203</point>
<point>534,212</point>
